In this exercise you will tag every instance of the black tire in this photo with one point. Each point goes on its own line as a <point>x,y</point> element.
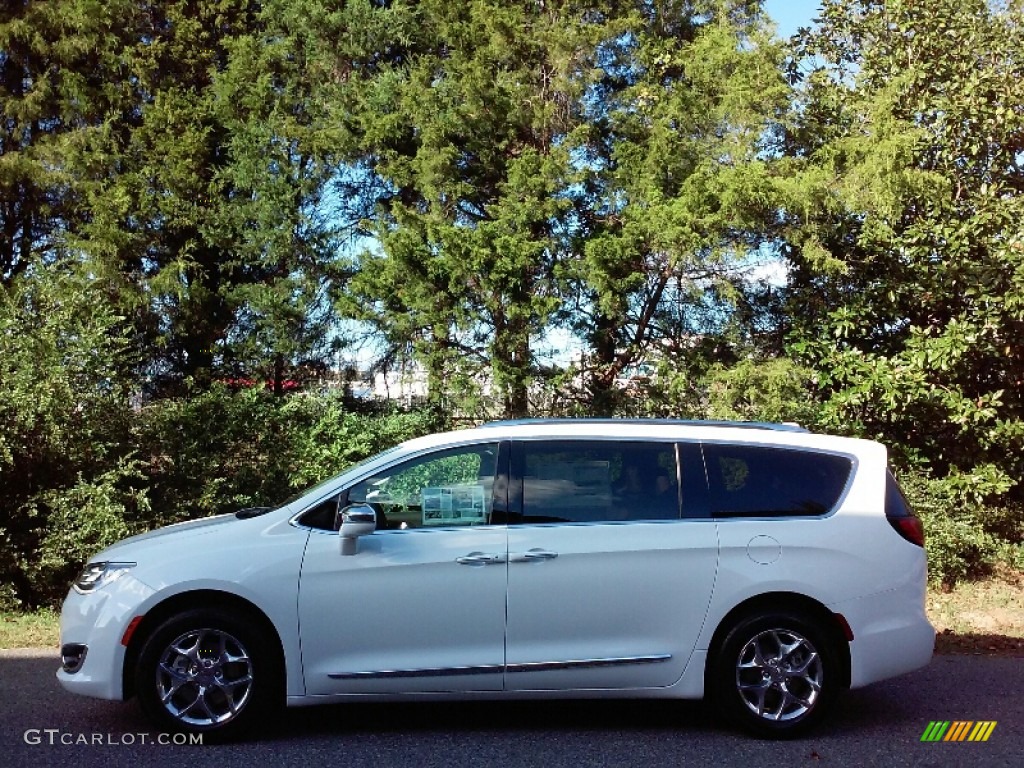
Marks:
<point>208,672</point>
<point>775,674</point>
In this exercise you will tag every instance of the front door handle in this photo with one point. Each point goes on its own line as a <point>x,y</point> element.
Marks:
<point>534,556</point>
<point>479,558</point>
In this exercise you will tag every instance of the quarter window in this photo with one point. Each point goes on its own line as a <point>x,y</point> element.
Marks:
<point>590,481</point>
<point>758,481</point>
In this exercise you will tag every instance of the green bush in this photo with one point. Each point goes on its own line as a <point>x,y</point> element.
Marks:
<point>331,437</point>
<point>81,520</point>
<point>81,467</point>
<point>63,425</point>
<point>953,511</point>
<point>222,450</point>
<point>772,389</point>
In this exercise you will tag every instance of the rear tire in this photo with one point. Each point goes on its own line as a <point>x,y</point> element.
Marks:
<point>207,672</point>
<point>776,674</point>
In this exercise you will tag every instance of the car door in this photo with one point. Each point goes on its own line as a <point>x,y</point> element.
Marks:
<point>608,586</point>
<point>421,606</point>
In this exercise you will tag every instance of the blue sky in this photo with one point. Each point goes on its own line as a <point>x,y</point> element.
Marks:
<point>789,15</point>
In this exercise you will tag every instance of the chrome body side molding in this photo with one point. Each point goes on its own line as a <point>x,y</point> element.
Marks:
<point>487,669</point>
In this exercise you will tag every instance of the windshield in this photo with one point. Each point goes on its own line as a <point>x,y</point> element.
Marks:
<point>330,479</point>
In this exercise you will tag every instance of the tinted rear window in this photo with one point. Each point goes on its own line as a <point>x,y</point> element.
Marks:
<point>599,481</point>
<point>757,481</point>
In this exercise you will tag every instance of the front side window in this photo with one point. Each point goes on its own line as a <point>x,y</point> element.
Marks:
<point>446,488</point>
<point>598,481</point>
<point>760,481</point>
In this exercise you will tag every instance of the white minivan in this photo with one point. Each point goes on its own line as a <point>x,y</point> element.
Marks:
<point>758,565</point>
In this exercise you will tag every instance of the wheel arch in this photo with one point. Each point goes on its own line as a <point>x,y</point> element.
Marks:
<point>830,622</point>
<point>192,599</point>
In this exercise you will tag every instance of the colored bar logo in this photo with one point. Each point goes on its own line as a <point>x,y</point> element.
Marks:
<point>958,730</point>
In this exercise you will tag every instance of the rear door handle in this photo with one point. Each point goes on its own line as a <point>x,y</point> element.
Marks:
<point>479,558</point>
<point>534,556</point>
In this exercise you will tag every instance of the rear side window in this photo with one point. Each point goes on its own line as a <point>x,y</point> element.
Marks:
<point>598,481</point>
<point>758,481</point>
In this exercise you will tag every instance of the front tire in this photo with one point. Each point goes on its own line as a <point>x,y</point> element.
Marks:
<point>776,674</point>
<point>207,672</point>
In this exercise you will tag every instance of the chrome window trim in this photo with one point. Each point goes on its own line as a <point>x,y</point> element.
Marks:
<point>483,440</point>
<point>602,523</point>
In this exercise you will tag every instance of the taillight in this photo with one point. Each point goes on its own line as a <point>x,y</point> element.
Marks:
<point>898,513</point>
<point>910,528</point>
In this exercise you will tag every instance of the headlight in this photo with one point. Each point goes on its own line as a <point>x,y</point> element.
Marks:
<point>95,575</point>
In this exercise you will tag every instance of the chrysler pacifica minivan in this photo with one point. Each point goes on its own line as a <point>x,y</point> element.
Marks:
<point>759,566</point>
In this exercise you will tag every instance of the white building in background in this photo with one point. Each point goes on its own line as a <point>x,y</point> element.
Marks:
<point>406,384</point>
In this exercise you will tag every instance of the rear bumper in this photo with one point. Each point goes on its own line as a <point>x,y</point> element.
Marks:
<point>891,634</point>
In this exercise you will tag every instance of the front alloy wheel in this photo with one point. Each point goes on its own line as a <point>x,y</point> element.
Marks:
<point>210,672</point>
<point>204,678</point>
<point>775,674</point>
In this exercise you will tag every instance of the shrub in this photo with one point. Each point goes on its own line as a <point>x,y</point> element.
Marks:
<point>953,511</point>
<point>81,520</point>
<point>772,389</point>
<point>223,450</point>
<point>63,420</point>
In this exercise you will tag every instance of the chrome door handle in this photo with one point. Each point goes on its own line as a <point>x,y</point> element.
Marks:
<point>534,556</point>
<point>479,558</point>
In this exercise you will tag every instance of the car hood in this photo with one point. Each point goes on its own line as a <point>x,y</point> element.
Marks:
<point>189,527</point>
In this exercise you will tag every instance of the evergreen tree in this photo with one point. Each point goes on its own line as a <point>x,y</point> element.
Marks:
<point>586,161</point>
<point>682,131</point>
<point>905,237</point>
<point>202,193</point>
<point>459,113</point>
<point>57,81</point>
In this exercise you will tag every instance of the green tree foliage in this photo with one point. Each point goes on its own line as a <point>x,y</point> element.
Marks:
<point>186,188</point>
<point>602,162</point>
<point>65,463</point>
<point>58,81</point>
<point>220,451</point>
<point>276,227</point>
<point>904,230</point>
<point>83,464</point>
<point>200,183</point>
<point>459,113</point>
<point>683,122</point>
<point>773,389</point>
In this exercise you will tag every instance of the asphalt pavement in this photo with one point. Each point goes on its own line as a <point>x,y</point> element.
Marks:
<point>42,725</point>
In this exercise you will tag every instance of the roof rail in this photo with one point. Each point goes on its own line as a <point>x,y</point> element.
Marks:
<point>772,425</point>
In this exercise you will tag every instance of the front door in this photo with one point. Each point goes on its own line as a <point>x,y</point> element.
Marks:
<point>421,606</point>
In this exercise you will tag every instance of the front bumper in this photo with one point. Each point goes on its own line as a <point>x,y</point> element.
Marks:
<point>97,621</point>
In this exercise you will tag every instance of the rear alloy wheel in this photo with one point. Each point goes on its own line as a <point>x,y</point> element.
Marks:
<point>776,674</point>
<point>206,672</point>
